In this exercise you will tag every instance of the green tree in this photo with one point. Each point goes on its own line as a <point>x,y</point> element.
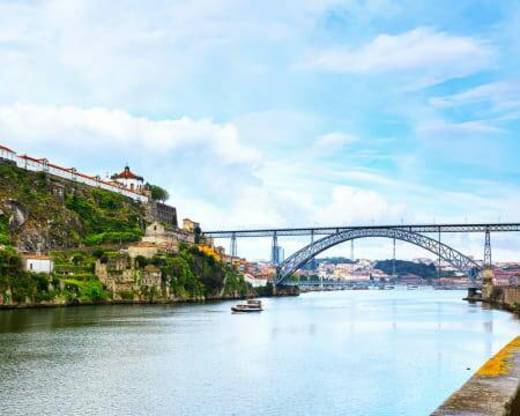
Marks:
<point>158,193</point>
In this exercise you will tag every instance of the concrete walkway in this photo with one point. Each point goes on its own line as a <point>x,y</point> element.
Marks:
<point>493,391</point>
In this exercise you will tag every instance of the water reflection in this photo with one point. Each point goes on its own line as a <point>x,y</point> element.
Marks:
<point>343,353</point>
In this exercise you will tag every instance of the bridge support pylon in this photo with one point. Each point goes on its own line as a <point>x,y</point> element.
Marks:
<point>487,272</point>
<point>275,252</point>
<point>233,250</point>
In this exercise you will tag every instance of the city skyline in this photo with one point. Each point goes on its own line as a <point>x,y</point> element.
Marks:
<point>310,113</point>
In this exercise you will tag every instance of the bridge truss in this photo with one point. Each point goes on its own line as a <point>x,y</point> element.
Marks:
<point>448,254</point>
<point>317,231</point>
<point>412,233</point>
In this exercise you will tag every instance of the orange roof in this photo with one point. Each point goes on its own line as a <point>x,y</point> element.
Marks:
<point>127,174</point>
<point>6,149</point>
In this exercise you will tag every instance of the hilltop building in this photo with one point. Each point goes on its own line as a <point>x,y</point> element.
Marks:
<point>121,186</point>
<point>129,180</point>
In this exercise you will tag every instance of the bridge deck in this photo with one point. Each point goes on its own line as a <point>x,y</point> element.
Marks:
<point>417,228</point>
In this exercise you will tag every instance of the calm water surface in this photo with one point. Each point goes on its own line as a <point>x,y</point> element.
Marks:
<point>373,353</point>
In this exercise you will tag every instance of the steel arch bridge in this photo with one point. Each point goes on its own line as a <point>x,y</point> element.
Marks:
<point>448,254</point>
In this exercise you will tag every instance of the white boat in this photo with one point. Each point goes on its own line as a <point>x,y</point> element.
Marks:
<point>251,305</point>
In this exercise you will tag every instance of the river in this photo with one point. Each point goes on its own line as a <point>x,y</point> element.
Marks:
<point>355,353</point>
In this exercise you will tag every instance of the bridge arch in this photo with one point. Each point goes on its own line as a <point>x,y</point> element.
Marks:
<point>455,258</point>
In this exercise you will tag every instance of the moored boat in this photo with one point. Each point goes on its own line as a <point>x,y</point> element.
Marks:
<point>251,305</point>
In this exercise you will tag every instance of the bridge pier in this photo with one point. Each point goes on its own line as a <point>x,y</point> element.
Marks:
<point>487,272</point>
<point>275,250</point>
<point>474,294</point>
<point>487,249</point>
<point>439,256</point>
<point>393,262</point>
<point>313,261</point>
<point>233,250</point>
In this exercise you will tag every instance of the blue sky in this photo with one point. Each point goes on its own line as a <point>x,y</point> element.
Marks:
<point>278,113</point>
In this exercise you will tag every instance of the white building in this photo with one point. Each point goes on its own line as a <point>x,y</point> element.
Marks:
<point>255,281</point>
<point>43,165</point>
<point>37,263</point>
<point>129,180</point>
<point>6,153</point>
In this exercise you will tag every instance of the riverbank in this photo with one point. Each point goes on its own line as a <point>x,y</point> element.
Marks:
<point>494,390</point>
<point>45,305</point>
<point>102,276</point>
<point>264,292</point>
<point>505,297</point>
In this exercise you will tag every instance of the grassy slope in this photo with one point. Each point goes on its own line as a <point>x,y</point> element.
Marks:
<point>86,216</point>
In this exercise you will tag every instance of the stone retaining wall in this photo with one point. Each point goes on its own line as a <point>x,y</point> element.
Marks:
<point>511,296</point>
<point>504,296</point>
<point>493,391</point>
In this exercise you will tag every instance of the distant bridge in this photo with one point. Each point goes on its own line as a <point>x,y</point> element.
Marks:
<point>411,233</point>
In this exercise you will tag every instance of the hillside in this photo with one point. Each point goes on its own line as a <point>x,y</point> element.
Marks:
<point>39,212</point>
<point>426,271</point>
<point>83,230</point>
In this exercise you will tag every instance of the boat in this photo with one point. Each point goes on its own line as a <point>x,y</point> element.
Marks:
<point>251,305</point>
<point>360,286</point>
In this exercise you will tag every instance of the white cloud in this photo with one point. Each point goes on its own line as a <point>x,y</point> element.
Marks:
<point>502,95</point>
<point>437,55</point>
<point>441,128</point>
<point>192,158</point>
<point>331,142</point>
<point>351,205</point>
<point>98,127</point>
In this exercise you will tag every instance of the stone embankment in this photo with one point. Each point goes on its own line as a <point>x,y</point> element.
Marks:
<point>286,291</point>
<point>507,297</point>
<point>493,391</point>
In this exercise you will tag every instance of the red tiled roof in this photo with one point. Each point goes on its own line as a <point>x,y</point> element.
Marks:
<point>127,174</point>
<point>6,148</point>
<point>32,158</point>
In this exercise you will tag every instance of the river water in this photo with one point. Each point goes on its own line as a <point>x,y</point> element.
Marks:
<point>370,353</point>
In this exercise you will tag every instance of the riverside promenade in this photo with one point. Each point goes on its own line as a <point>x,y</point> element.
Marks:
<point>494,390</point>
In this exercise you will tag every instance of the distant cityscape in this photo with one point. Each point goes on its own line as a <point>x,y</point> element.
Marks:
<point>418,271</point>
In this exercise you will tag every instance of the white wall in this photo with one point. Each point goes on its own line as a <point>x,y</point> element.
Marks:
<point>39,265</point>
<point>131,183</point>
<point>38,166</point>
<point>255,282</point>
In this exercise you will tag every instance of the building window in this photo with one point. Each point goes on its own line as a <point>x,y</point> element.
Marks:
<point>30,266</point>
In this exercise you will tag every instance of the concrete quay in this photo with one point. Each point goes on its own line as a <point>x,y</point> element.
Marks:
<point>494,390</point>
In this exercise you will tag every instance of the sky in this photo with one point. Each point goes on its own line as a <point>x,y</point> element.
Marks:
<point>279,113</point>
